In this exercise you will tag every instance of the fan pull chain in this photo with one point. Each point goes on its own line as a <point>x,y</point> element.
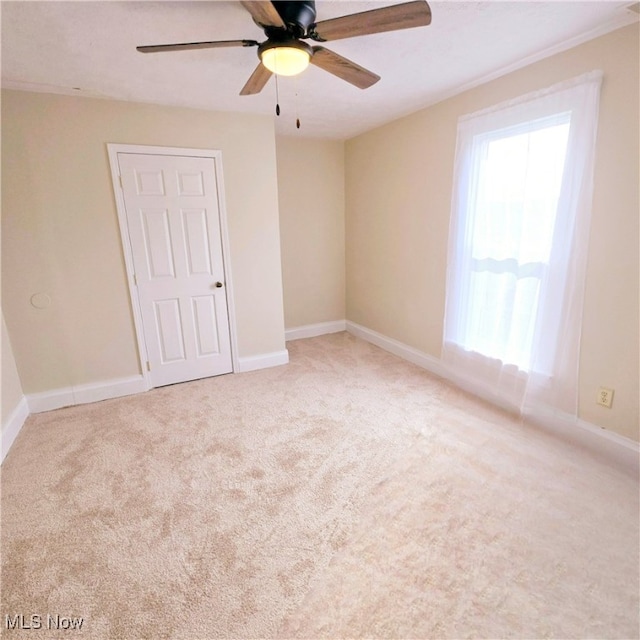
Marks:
<point>277,94</point>
<point>297,117</point>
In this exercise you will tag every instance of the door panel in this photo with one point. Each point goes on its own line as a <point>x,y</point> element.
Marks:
<point>169,327</point>
<point>196,235</point>
<point>149,183</point>
<point>173,218</point>
<point>205,323</point>
<point>190,184</point>
<point>157,243</point>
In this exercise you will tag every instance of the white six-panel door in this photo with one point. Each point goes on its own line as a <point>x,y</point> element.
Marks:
<point>173,218</point>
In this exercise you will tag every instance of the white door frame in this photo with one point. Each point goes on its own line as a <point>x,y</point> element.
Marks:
<point>114,150</point>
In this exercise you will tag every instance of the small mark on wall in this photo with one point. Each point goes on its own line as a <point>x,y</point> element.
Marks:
<point>41,300</point>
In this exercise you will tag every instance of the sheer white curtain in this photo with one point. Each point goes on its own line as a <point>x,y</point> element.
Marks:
<point>518,246</point>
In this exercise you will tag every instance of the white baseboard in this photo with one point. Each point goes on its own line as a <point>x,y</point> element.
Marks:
<point>97,391</point>
<point>622,451</point>
<point>84,393</point>
<point>13,425</point>
<point>263,361</point>
<point>313,330</point>
<point>424,360</point>
<point>106,390</point>
<point>400,349</point>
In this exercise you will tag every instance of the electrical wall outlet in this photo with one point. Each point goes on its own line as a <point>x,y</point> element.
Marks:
<point>605,397</point>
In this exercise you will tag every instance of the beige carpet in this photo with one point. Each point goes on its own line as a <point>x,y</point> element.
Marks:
<point>348,494</point>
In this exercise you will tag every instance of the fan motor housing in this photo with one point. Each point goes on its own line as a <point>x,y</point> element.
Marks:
<point>298,15</point>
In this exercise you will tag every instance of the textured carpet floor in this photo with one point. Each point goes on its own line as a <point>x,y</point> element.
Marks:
<point>347,494</point>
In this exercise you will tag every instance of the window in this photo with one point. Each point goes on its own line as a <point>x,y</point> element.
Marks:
<point>518,239</point>
<point>511,222</point>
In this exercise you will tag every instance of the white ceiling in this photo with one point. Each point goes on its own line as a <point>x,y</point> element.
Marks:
<point>88,48</point>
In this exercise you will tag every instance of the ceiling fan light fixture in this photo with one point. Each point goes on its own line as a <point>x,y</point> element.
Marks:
<point>287,22</point>
<point>288,59</point>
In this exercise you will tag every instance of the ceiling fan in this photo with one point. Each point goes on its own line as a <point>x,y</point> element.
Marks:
<point>287,23</point>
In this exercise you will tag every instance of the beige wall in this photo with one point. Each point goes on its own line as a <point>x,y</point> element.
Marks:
<point>11,386</point>
<point>60,231</point>
<point>398,199</point>
<point>311,196</point>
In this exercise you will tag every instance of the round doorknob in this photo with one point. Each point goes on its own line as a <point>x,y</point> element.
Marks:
<point>218,285</point>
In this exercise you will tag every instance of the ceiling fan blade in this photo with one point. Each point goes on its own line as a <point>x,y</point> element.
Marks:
<point>343,68</point>
<point>256,81</point>
<point>393,18</point>
<point>263,12</point>
<point>183,46</point>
